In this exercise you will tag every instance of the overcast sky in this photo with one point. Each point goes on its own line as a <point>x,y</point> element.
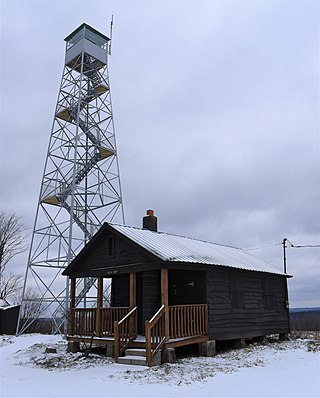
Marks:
<point>216,108</point>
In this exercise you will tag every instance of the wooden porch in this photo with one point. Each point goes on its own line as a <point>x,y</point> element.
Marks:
<point>186,324</point>
<point>170,326</point>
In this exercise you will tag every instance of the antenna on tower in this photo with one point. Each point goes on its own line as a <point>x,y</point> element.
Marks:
<point>111,27</point>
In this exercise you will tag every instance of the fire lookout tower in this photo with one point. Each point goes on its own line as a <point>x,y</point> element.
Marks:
<point>80,187</point>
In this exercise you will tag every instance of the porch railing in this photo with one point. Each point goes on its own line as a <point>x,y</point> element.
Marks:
<point>188,320</point>
<point>124,332</point>
<point>84,321</point>
<point>155,334</point>
<point>108,318</point>
<point>184,321</point>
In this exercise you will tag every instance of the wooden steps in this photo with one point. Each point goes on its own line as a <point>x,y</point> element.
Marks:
<point>137,356</point>
<point>134,356</point>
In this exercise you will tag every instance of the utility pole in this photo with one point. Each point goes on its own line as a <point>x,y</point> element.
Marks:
<point>284,255</point>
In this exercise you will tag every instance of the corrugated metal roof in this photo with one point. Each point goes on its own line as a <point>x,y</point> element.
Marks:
<point>181,249</point>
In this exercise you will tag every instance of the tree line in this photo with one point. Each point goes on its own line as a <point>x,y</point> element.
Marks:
<point>305,320</point>
<point>13,242</point>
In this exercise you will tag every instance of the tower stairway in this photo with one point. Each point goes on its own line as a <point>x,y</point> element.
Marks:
<point>80,187</point>
<point>77,220</point>
<point>58,194</point>
<point>94,134</point>
<point>72,114</point>
<point>70,110</point>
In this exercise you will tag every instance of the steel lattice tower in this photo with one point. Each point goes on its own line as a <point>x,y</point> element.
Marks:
<point>80,187</point>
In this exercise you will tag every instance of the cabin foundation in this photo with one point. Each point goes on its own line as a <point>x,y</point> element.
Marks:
<point>157,359</point>
<point>110,350</point>
<point>73,346</point>
<point>168,355</point>
<point>239,343</point>
<point>258,339</point>
<point>283,336</point>
<point>207,348</point>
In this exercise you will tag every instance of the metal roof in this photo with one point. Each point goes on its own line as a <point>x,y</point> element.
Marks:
<point>85,25</point>
<point>175,248</point>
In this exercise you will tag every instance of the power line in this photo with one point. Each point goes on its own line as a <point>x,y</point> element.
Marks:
<point>278,244</point>
<point>300,246</point>
<point>306,246</point>
<point>262,247</point>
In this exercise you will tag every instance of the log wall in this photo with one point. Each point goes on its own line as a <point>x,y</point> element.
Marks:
<point>151,294</point>
<point>245,304</point>
<point>120,291</point>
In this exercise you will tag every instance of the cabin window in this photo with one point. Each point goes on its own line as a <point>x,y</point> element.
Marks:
<point>236,293</point>
<point>110,246</point>
<point>269,294</point>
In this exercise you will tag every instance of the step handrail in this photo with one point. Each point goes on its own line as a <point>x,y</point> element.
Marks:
<point>125,331</point>
<point>155,334</point>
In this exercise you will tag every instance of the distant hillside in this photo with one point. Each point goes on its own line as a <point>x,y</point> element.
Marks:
<point>305,319</point>
<point>302,309</point>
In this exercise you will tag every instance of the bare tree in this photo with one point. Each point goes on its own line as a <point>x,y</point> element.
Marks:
<point>12,238</point>
<point>11,286</point>
<point>33,306</point>
<point>12,242</point>
<point>30,310</point>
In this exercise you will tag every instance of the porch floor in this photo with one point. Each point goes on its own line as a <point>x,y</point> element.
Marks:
<point>140,341</point>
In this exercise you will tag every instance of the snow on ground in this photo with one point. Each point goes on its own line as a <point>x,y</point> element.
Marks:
<point>279,369</point>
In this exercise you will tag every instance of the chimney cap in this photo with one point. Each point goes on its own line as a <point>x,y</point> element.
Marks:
<point>150,212</point>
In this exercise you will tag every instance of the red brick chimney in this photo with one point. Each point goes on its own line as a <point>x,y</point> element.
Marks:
<point>150,221</point>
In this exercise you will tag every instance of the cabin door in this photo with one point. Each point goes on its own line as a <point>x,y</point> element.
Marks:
<point>187,287</point>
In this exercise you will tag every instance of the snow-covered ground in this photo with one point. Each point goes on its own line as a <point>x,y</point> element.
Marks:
<point>286,369</point>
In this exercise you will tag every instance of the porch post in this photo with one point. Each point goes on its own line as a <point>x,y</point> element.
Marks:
<point>132,304</point>
<point>72,305</point>
<point>132,301</point>
<point>165,301</point>
<point>99,305</point>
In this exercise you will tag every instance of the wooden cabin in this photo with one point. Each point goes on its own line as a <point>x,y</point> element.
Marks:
<point>169,291</point>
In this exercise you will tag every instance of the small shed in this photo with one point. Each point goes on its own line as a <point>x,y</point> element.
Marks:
<point>171,291</point>
<point>8,317</point>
